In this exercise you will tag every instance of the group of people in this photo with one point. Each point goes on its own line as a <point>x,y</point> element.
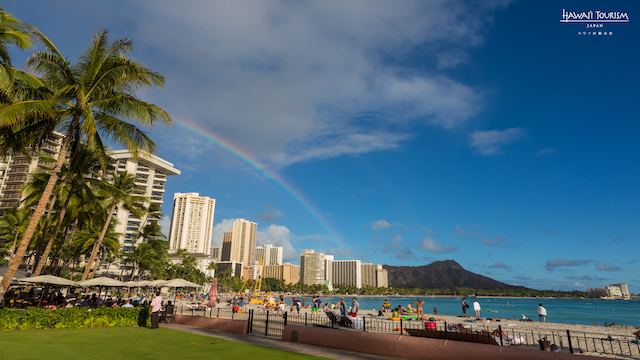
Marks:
<point>542,312</point>
<point>387,310</point>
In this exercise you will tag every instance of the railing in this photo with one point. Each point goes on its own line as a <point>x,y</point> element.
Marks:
<point>17,178</point>
<point>270,324</point>
<point>18,170</point>
<point>20,161</point>
<point>12,187</point>
<point>12,196</point>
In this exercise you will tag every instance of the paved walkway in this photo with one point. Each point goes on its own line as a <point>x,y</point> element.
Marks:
<point>308,349</point>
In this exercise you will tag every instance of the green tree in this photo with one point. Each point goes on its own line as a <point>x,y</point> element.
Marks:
<point>88,100</point>
<point>12,226</point>
<point>119,192</point>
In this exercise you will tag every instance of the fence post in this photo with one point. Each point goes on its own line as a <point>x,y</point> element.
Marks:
<point>570,345</point>
<point>218,312</point>
<point>285,318</point>
<point>364,323</point>
<point>251,321</point>
<point>266,324</point>
<point>446,331</point>
<point>305,318</point>
<point>400,326</point>
<point>500,330</point>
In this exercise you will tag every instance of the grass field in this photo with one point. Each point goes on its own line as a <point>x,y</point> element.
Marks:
<point>129,343</point>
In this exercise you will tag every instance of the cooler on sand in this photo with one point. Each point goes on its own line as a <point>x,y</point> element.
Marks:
<point>430,325</point>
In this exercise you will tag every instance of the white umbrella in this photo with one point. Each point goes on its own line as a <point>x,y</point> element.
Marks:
<point>157,283</point>
<point>49,280</point>
<point>181,283</point>
<point>102,282</point>
<point>143,283</point>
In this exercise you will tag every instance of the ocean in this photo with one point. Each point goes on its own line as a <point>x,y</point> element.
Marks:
<point>570,311</point>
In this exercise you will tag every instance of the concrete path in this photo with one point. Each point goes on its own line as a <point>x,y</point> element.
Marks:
<point>308,349</point>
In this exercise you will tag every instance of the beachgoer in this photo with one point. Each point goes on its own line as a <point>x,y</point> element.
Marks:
<point>294,306</point>
<point>476,308</point>
<point>156,306</point>
<point>326,308</point>
<point>127,305</point>
<point>386,307</point>
<point>355,306</point>
<point>343,307</point>
<point>435,311</point>
<point>316,306</point>
<point>542,313</point>
<point>419,311</point>
<point>281,307</point>
<point>465,306</point>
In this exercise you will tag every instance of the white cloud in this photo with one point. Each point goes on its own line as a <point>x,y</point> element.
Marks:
<point>305,76</point>
<point>491,142</point>
<point>278,235</point>
<point>382,224</point>
<point>434,246</point>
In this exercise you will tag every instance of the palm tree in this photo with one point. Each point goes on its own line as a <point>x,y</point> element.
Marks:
<point>89,239</point>
<point>13,32</point>
<point>12,225</point>
<point>120,192</point>
<point>88,100</point>
<point>80,176</point>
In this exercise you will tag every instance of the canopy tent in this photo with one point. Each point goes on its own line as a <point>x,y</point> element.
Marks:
<point>181,283</point>
<point>49,280</point>
<point>102,282</point>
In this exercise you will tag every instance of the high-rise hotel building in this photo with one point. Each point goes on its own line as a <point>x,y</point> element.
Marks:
<point>191,223</point>
<point>346,273</point>
<point>239,243</point>
<point>17,169</point>
<point>315,268</point>
<point>272,254</point>
<point>151,176</point>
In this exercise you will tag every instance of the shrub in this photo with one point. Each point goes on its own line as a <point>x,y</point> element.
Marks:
<point>74,318</point>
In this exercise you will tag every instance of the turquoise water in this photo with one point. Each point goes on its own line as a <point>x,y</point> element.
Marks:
<point>571,311</point>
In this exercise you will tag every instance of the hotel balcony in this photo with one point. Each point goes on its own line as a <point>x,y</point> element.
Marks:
<point>16,196</point>
<point>13,187</point>
<point>15,179</point>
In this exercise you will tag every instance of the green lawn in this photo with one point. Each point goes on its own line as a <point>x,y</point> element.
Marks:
<point>129,343</point>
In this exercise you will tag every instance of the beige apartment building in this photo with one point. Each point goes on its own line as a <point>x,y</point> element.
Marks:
<point>374,275</point>
<point>191,223</point>
<point>286,272</point>
<point>315,268</point>
<point>243,242</point>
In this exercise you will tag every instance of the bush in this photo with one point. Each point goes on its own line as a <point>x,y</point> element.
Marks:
<point>74,318</point>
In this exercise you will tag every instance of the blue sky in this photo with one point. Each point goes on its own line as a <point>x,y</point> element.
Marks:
<point>485,132</point>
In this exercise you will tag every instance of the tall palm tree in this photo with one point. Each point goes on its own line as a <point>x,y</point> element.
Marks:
<point>119,193</point>
<point>81,175</point>
<point>88,100</point>
<point>108,246</point>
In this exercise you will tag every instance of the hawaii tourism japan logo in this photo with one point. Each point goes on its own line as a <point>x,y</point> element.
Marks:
<point>595,20</point>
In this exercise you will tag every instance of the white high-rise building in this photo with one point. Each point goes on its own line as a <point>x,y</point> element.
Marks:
<point>347,273</point>
<point>192,223</point>
<point>17,169</point>
<point>243,242</point>
<point>312,268</point>
<point>151,175</point>
<point>272,254</point>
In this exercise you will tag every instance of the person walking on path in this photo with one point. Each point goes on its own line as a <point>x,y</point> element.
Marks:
<point>542,313</point>
<point>156,306</point>
<point>476,308</point>
<point>355,306</point>
<point>465,306</point>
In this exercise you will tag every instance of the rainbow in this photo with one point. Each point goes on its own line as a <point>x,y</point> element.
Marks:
<point>211,138</point>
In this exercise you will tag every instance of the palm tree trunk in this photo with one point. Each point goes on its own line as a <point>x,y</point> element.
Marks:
<point>45,254</point>
<point>98,243</point>
<point>44,231</point>
<point>13,247</point>
<point>37,214</point>
<point>58,254</point>
<point>66,256</point>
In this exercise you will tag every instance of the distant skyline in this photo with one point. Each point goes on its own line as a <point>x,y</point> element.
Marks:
<point>399,133</point>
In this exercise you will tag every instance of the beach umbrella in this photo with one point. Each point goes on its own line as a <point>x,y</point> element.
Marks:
<point>49,280</point>
<point>213,293</point>
<point>102,282</point>
<point>156,283</point>
<point>143,283</point>
<point>181,283</point>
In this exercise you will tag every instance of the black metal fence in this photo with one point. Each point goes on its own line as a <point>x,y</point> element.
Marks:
<point>271,324</point>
